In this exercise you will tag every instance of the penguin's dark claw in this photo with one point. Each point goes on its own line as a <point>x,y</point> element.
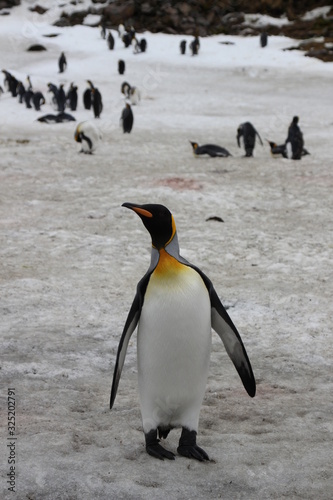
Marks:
<point>157,451</point>
<point>154,449</point>
<point>188,446</point>
<point>193,452</point>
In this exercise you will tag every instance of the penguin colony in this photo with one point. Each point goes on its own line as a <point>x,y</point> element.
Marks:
<point>173,368</point>
<point>175,307</point>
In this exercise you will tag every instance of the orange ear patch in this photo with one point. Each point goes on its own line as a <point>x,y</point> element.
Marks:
<point>142,211</point>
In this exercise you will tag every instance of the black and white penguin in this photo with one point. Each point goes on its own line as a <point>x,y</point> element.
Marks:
<point>175,307</point>
<point>38,100</point>
<point>278,150</point>
<point>103,31</point>
<point>28,94</point>
<point>10,82</point>
<point>125,89</point>
<point>71,97</point>
<point>87,98</point>
<point>61,97</point>
<point>62,62</point>
<point>248,132</point>
<point>97,103</point>
<point>20,92</point>
<point>295,138</point>
<point>143,45</point>
<point>110,41</point>
<point>56,102</point>
<point>209,149</point>
<point>182,47</point>
<point>121,67</point>
<point>195,45</point>
<point>263,39</point>
<point>59,118</point>
<point>88,135</point>
<point>127,119</point>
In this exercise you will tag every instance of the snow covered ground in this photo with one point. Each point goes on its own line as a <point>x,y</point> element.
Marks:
<point>71,258</point>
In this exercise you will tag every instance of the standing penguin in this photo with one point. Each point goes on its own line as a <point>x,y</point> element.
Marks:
<point>127,118</point>
<point>248,132</point>
<point>72,97</point>
<point>182,47</point>
<point>96,102</point>
<point>61,98</point>
<point>175,308</point>
<point>121,67</point>
<point>62,63</point>
<point>110,41</point>
<point>295,137</point>
<point>38,100</point>
<point>20,92</point>
<point>263,39</point>
<point>87,97</point>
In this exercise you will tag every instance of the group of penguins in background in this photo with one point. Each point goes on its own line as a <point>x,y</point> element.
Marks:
<point>248,133</point>
<point>87,134</point>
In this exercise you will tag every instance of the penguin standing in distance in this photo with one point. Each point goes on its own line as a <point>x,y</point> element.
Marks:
<point>263,39</point>
<point>295,137</point>
<point>61,98</point>
<point>87,97</point>
<point>38,100</point>
<point>71,97</point>
<point>87,134</point>
<point>28,95</point>
<point>62,62</point>
<point>110,41</point>
<point>211,150</point>
<point>127,118</point>
<point>182,47</point>
<point>175,307</point>
<point>248,132</point>
<point>97,102</point>
<point>121,67</point>
<point>20,92</point>
<point>195,45</point>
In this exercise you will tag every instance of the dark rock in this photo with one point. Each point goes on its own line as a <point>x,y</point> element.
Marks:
<point>119,12</point>
<point>38,9</point>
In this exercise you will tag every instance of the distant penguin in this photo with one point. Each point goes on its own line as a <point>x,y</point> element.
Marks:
<point>59,118</point>
<point>10,82</point>
<point>97,102</point>
<point>20,92</point>
<point>62,63</point>
<point>248,132</point>
<point>143,45</point>
<point>127,39</point>
<point>72,97</point>
<point>87,98</point>
<point>125,89</point>
<point>182,47</point>
<point>61,98</point>
<point>55,98</point>
<point>127,119</point>
<point>175,308</point>
<point>110,41</point>
<point>263,39</point>
<point>38,100</point>
<point>103,31</point>
<point>88,135</point>
<point>295,137</point>
<point>121,67</point>
<point>28,94</point>
<point>211,150</point>
<point>278,150</point>
<point>195,45</point>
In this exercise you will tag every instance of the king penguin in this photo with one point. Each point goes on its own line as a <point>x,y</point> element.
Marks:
<point>175,307</point>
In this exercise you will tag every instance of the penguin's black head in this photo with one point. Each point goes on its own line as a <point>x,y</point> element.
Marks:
<point>194,145</point>
<point>158,220</point>
<point>295,120</point>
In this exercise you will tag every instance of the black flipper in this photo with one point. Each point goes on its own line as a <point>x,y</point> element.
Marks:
<point>130,325</point>
<point>224,327</point>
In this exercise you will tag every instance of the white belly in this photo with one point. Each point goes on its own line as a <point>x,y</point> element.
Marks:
<point>174,341</point>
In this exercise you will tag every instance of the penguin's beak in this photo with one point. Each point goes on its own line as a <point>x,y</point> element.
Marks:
<point>138,209</point>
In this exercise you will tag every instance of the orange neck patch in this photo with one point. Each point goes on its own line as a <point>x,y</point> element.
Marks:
<point>167,265</point>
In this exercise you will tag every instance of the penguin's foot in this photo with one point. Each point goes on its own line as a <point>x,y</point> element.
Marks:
<point>154,449</point>
<point>188,446</point>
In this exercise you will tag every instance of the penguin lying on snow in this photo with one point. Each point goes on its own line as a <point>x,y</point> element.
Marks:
<point>59,118</point>
<point>278,150</point>
<point>87,134</point>
<point>209,149</point>
<point>175,307</point>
